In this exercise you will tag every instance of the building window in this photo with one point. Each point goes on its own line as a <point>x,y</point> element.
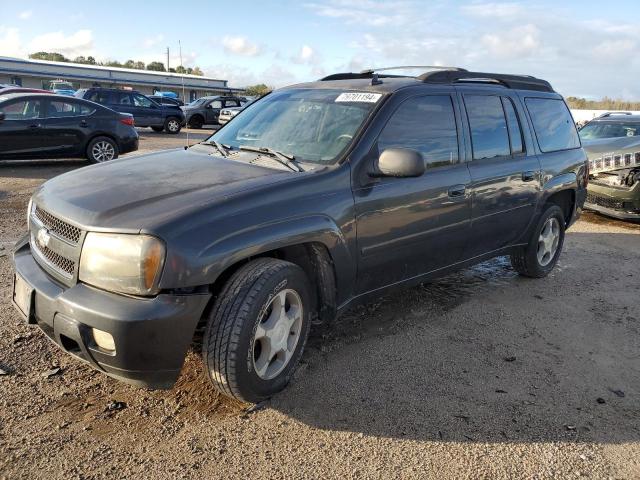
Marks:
<point>16,81</point>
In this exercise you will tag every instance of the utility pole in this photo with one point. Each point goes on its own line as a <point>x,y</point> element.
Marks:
<point>167,59</point>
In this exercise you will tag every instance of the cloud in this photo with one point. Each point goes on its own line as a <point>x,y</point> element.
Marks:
<point>10,44</point>
<point>493,10</point>
<point>78,43</point>
<point>363,12</point>
<point>239,45</point>
<point>517,42</point>
<point>275,75</point>
<point>25,15</point>
<point>306,55</point>
<point>150,42</point>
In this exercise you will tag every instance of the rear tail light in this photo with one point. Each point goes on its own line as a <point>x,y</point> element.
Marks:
<point>127,121</point>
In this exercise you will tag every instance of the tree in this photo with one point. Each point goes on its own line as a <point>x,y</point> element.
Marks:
<point>197,71</point>
<point>257,90</point>
<point>53,56</point>
<point>156,66</point>
<point>180,69</point>
<point>129,64</point>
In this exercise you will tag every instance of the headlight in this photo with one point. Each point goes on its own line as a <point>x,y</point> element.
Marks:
<point>122,263</point>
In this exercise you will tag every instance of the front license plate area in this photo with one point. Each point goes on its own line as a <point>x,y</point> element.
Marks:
<point>22,296</point>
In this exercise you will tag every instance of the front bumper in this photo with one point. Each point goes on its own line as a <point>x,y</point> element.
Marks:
<point>611,212</point>
<point>151,335</point>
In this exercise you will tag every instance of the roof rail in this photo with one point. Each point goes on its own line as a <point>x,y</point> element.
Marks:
<point>404,67</point>
<point>608,114</point>
<point>524,82</point>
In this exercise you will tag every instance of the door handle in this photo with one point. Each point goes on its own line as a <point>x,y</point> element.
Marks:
<point>457,191</point>
<point>35,125</point>
<point>83,123</point>
<point>528,176</point>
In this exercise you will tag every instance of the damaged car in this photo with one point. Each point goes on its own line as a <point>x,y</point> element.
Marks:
<point>612,143</point>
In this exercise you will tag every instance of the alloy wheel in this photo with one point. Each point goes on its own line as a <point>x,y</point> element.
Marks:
<point>103,151</point>
<point>548,241</point>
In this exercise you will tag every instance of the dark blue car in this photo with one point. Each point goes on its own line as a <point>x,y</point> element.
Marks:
<point>145,111</point>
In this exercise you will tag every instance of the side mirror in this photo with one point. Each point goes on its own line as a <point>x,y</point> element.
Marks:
<point>399,162</point>
<point>2,117</point>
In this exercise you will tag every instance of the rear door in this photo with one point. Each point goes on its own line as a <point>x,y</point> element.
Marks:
<point>21,129</point>
<point>411,226</point>
<point>505,171</point>
<point>66,125</point>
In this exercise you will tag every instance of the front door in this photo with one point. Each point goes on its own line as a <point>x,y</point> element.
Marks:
<point>505,174</point>
<point>21,129</point>
<point>212,111</point>
<point>410,226</point>
<point>147,111</point>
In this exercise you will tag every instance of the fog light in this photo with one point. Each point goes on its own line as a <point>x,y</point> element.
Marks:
<point>103,339</point>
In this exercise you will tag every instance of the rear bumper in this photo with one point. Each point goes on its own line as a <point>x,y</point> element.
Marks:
<point>151,335</point>
<point>129,144</point>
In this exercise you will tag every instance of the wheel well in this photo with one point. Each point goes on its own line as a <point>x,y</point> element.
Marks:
<point>565,199</point>
<point>196,115</point>
<point>110,137</point>
<point>314,259</point>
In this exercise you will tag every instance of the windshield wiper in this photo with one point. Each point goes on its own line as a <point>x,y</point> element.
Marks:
<point>285,159</point>
<point>220,147</point>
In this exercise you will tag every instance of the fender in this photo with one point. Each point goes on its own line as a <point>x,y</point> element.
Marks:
<point>564,181</point>
<point>226,251</point>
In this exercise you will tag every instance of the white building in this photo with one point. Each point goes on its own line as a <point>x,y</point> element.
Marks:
<point>38,74</point>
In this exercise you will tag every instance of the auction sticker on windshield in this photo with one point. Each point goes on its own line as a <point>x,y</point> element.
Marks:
<point>359,97</point>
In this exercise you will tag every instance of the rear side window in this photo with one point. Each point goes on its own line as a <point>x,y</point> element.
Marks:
<point>68,109</point>
<point>553,124</point>
<point>98,96</point>
<point>123,99</point>
<point>513,123</point>
<point>489,134</point>
<point>426,124</point>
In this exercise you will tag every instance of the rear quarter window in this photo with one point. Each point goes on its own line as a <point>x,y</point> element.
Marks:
<point>553,124</point>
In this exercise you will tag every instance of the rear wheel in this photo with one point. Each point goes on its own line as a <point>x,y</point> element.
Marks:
<point>196,121</point>
<point>257,329</point>
<point>172,125</point>
<point>102,149</point>
<point>541,254</point>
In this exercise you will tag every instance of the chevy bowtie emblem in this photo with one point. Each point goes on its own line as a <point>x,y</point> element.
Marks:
<point>42,238</point>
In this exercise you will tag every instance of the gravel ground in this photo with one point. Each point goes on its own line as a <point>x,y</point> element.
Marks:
<point>482,374</point>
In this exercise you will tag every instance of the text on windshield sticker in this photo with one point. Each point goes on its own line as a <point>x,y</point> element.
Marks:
<point>359,97</point>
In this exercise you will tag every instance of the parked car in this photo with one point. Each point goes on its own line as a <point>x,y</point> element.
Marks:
<point>318,197</point>
<point>62,87</point>
<point>176,102</point>
<point>146,112</point>
<point>7,90</point>
<point>612,142</point>
<point>205,110</point>
<point>227,114</point>
<point>36,125</point>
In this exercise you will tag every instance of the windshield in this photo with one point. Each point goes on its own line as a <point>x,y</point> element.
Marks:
<point>311,125</point>
<point>197,102</point>
<point>609,130</point>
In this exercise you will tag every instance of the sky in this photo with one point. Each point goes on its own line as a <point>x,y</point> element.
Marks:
<point>584,48</point>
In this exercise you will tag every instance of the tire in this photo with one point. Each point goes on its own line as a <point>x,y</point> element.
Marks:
<point>102,149</point>
<point>235,348</point>
<point>538,257</point>
<point>196,121</point>
<point>172,125</point>
<point>157,129</point>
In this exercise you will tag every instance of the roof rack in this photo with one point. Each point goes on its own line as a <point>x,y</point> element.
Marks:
<point>449,75</point>
<point>525,82</point>
<point>608,114</point>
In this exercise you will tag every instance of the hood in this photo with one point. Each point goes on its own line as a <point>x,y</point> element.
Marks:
<point>137,193</point>
<point>603,146</point>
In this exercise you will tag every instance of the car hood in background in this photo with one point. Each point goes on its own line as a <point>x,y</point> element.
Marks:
<point>606,154</point>
<point>146,191</point>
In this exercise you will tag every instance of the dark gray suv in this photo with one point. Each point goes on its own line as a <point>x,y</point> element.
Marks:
<point>317,197</point>
<point>205,110</point>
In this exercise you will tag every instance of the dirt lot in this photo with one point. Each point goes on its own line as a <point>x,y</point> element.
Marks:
<point>482,374</point>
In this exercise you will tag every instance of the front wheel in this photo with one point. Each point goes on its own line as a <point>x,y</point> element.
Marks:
<point>102,149</point>
<point>541,254</point>
<point>196,121</point>
<point>172,125</point>
<point>257,330</point>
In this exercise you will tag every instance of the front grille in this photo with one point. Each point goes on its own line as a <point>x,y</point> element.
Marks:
<point>57,226</point>
<point>56,260</point>
<point>604,201</point>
